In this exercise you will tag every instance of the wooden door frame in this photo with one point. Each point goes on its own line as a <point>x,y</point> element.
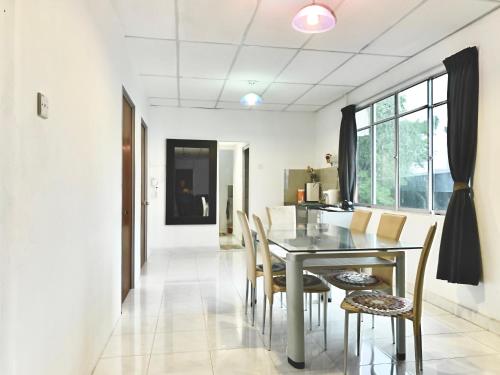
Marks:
<point>144,185</point>
<point>128,99</point>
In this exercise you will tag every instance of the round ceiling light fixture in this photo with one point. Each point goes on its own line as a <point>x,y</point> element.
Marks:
<point>314,18</point>
<point>251,99</point>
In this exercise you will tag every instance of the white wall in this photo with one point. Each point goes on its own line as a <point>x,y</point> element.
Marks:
<point>8,129</point>
<point>327,132</point>
<point>277,141</point>
<point>481,302</point>
<point>61,183</point>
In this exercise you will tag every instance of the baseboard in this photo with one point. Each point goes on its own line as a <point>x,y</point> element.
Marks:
<point>481,320</point>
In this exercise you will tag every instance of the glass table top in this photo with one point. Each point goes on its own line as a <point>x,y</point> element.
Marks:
<point>329,237</point>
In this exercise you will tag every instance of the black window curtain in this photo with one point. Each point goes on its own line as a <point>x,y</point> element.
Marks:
<point>348,142</point>
<point>460,255</point>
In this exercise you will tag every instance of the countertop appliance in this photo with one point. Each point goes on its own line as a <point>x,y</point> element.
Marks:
<point>312,191</point>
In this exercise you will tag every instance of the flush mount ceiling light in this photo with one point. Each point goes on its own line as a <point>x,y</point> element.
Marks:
<point>314,18</point>
<point>251,99</point>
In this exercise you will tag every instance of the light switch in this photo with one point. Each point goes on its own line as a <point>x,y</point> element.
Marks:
<point>42,106</point>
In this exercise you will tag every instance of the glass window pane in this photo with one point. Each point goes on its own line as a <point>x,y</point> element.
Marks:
<point>413,98</point>
<point>384,109</point>
<point>364,167</point>
<point>385,170</point>
<point>414,160</point>
<point>443,183</point>
<point>440,89</point>
<point>363,118</point>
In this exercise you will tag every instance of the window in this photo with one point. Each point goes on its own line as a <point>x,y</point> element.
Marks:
<point>402,157</point>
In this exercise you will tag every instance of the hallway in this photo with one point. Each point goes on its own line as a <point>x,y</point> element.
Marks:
<point>186,317</point>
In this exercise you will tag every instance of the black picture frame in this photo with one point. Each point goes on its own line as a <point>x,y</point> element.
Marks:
<point>170,217</point>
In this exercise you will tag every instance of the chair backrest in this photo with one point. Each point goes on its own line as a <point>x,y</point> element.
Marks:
<point>360,220</point>
<point>283,216</point>
<point>390,226</point>
<point>266,258</point>
<point>419,280</point>
<point>249,246</point>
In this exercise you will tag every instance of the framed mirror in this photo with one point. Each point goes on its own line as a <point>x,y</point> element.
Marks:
<point>191,182</point>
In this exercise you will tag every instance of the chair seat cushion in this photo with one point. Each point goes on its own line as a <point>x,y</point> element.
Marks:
<point>276,267</point>
<point>355,278</point>
<point>312,284</point>
<point>378,303</point>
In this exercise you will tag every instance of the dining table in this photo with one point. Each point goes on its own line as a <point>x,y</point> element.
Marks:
<point>319,245</point>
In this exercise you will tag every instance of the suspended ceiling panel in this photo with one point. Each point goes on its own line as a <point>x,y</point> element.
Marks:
<point>321,95</point>
<point>285,92</point>
<point>201,89</point>
<point>214,48</point>
<point>360,69</point>
<point>303,108</point>
<point>153,56</point>
<point>360,22</point>
<point>198,103</point>
<point>312,66</point>
<point>272,25</point>
<point>160,87</point>
<point>431,22</point>
<point>221,21</point>
<point>204,60</point>
<point>150,18</point>
<point>261,63</point>
<point>234,89</point>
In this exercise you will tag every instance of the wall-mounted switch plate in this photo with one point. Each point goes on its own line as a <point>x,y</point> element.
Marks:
<point>42,106</point>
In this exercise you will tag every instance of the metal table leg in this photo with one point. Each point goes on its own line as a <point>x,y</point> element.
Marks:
<point>400,291</point>
<point>295,310</point>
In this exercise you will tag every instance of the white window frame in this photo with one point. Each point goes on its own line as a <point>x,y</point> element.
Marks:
<point>429,106</point>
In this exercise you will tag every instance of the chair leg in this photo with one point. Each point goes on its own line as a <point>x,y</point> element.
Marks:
<point>420,351</point>
<point>392,327</point>
<point>310,313</point>
<point>270,324</point>
<point>358,335</point>
<point>417,351</point>
<point>264,314</point>
<point>373,321</point>
<point>346,340</point>
<point>319,309</point>
<point>246,298</point>
<point>253,306</point>
<point>325,310</point>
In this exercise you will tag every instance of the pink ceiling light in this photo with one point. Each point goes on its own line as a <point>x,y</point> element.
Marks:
<point>314,18</point>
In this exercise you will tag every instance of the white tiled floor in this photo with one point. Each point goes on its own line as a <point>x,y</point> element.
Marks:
<point>187,317</point>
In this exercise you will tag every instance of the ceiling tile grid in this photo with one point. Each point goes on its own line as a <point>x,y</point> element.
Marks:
<point>312,66</point>
<point>153,56</point>
<point>202,60</point>
<point>208,54</point>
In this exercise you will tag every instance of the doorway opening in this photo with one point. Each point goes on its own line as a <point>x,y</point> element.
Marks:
<point>128,173</point>
<point>231,189</point>
<point>144,192</point>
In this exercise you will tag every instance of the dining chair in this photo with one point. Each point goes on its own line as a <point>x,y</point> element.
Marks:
<point>359,223</point>
<point>254,270</point>
<point>277,284</point>
<point>381,278</point>
<point>283,216</point>
<point>377,303</point>
<point>360,220</point>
